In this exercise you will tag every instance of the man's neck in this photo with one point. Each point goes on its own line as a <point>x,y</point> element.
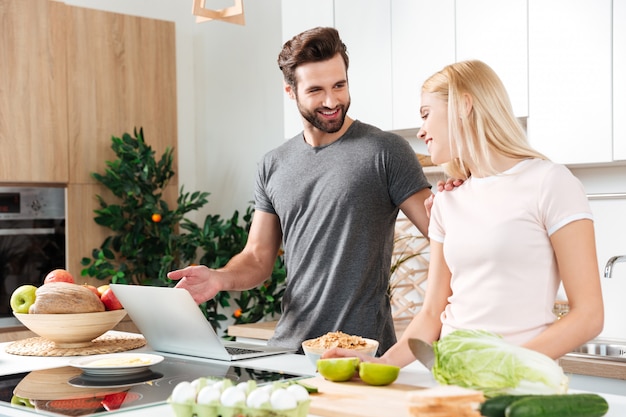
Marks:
<point>315,137</point>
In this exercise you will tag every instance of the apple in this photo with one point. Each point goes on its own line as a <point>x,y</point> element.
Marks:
<point>92,289</point>
<point>102,289</point>
<point>25,402</point>
<point>22,298</point>
<point>110,300</point>
<point>59,275</point>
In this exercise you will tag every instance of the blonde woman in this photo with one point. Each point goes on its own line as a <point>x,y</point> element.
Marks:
<point>503,241</point>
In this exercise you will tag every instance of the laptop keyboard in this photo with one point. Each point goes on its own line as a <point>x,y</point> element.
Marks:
<point>239,351</point>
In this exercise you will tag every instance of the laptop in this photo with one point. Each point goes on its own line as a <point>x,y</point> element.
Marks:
<point>172,322</point>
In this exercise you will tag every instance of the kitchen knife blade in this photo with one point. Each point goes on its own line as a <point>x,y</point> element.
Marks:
<point>423,352</point>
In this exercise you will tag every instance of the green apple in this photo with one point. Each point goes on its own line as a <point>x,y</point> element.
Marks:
<point>22,298</point>
<point>15,400</point>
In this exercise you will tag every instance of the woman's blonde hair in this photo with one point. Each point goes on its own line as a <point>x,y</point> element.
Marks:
<point>489,127</point>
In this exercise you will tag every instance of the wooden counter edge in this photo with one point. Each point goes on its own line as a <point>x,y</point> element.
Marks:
<point>593,367</point>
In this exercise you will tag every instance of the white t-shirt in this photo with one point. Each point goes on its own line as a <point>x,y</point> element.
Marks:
<point>496,237</point>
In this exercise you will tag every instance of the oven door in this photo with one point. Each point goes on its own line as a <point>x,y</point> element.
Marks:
<point>32,240</point>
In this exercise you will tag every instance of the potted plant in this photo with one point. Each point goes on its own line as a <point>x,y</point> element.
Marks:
<point>149,238</point>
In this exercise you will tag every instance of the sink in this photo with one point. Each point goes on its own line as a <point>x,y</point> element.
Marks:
<point>601,349</point>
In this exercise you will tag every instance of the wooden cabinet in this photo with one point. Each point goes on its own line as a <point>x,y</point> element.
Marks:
<point>570,115</point>
<point>33,110</point>
<point>619,80</point>
<point>496,32</point>
<point>71,79</point>
<point>121,76</point>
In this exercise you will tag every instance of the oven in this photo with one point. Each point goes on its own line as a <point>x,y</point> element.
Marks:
<point>32,239</point>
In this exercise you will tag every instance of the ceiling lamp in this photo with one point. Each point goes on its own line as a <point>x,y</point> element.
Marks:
<point>232,14</point>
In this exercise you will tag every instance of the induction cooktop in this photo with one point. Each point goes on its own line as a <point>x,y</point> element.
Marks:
<point>67,391</point>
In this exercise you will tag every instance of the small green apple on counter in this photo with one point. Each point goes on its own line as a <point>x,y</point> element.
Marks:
<point>22,298</point>
<point>25,402</point>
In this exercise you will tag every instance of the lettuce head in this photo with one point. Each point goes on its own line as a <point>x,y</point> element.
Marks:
<point>482,360</point>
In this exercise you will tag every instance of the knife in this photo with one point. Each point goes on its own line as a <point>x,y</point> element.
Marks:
<point>423,352</point>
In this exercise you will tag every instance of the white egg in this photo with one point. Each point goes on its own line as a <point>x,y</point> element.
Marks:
<point>242,386</point>
<point>267,388</point>
<point>232,397</point>
<point>184,392</point>
<point>281,399</point>
<point>257,398</point>
<point>299,392</point>
<point>208,395</point>
<point>219,385</point>
<point>199,383</point>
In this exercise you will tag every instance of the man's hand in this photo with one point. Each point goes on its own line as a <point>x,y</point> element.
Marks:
<point>198,280</point>
<point>448,185</point>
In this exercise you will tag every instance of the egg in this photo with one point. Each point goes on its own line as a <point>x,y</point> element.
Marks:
<point>220,385</point>
<point>232,397</point>
<point>208,395</point>
<point>299,392</point>
<point>199,383</point>
<point>184,392</point>
<point>258,398</point>
<point>281,399</point>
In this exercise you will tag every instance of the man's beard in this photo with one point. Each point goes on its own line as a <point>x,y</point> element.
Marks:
<point>326,126</point>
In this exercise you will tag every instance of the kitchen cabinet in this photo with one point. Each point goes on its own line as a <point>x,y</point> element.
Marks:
<point>33,112</point>
<point>122,76</point>
<point>569,61</point>
<point>619,80</point>
<point>496,33</point>
<point>422,42</point>
<point>365,28</point>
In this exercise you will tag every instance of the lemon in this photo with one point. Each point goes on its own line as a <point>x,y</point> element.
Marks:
<point>338,369</point>
<point>373,373</point>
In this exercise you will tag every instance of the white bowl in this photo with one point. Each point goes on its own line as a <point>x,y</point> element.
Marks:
<point>315,353</point>
<point>71,330</point>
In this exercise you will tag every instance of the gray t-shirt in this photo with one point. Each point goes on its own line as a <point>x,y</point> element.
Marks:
<point>337,206</point>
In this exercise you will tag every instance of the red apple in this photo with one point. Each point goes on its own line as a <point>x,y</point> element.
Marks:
<point>110,300</point>
<point>92,289</point>
<point>59,275</point>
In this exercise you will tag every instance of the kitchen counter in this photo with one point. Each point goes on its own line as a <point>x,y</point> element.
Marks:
<point>415,374</point>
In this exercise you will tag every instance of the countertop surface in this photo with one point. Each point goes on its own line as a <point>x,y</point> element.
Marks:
<point>414,374</point>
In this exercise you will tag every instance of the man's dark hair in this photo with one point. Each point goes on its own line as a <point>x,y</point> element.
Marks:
<point>314,45</point>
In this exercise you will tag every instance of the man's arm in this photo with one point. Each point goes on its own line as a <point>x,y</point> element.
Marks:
<point>245,270</point>
<point>415,210</point>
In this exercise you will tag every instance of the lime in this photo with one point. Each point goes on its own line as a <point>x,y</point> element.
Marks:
<point>373,373</point>
<point>337,369</point>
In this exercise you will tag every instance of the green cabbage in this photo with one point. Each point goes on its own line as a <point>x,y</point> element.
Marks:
<point>482,360</point>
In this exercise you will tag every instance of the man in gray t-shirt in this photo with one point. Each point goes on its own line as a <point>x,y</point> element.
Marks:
<point>330,196</point>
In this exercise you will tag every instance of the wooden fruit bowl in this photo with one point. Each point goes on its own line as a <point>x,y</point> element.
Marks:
<point>71,330</point>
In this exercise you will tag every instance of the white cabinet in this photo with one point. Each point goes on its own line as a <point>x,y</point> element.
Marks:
<point>619,80</point>
<point>569,44</point>
<point>365,27</point>
<point>422,43</point>
<point>496,32</point>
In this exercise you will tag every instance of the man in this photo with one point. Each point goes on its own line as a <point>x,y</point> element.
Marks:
<point>330,196</point>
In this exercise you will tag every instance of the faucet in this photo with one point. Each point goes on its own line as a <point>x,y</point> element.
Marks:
<point>609,264</point>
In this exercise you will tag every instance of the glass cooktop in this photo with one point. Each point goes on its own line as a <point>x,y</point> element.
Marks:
<point>66,391</point>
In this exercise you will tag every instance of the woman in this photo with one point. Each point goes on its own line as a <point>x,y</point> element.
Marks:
<point>503,241</point>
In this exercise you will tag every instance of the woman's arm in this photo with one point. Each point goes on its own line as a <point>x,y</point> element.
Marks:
<point>575,251</point>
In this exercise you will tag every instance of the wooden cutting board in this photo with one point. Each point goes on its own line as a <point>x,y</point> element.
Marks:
<point>357,399</point>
